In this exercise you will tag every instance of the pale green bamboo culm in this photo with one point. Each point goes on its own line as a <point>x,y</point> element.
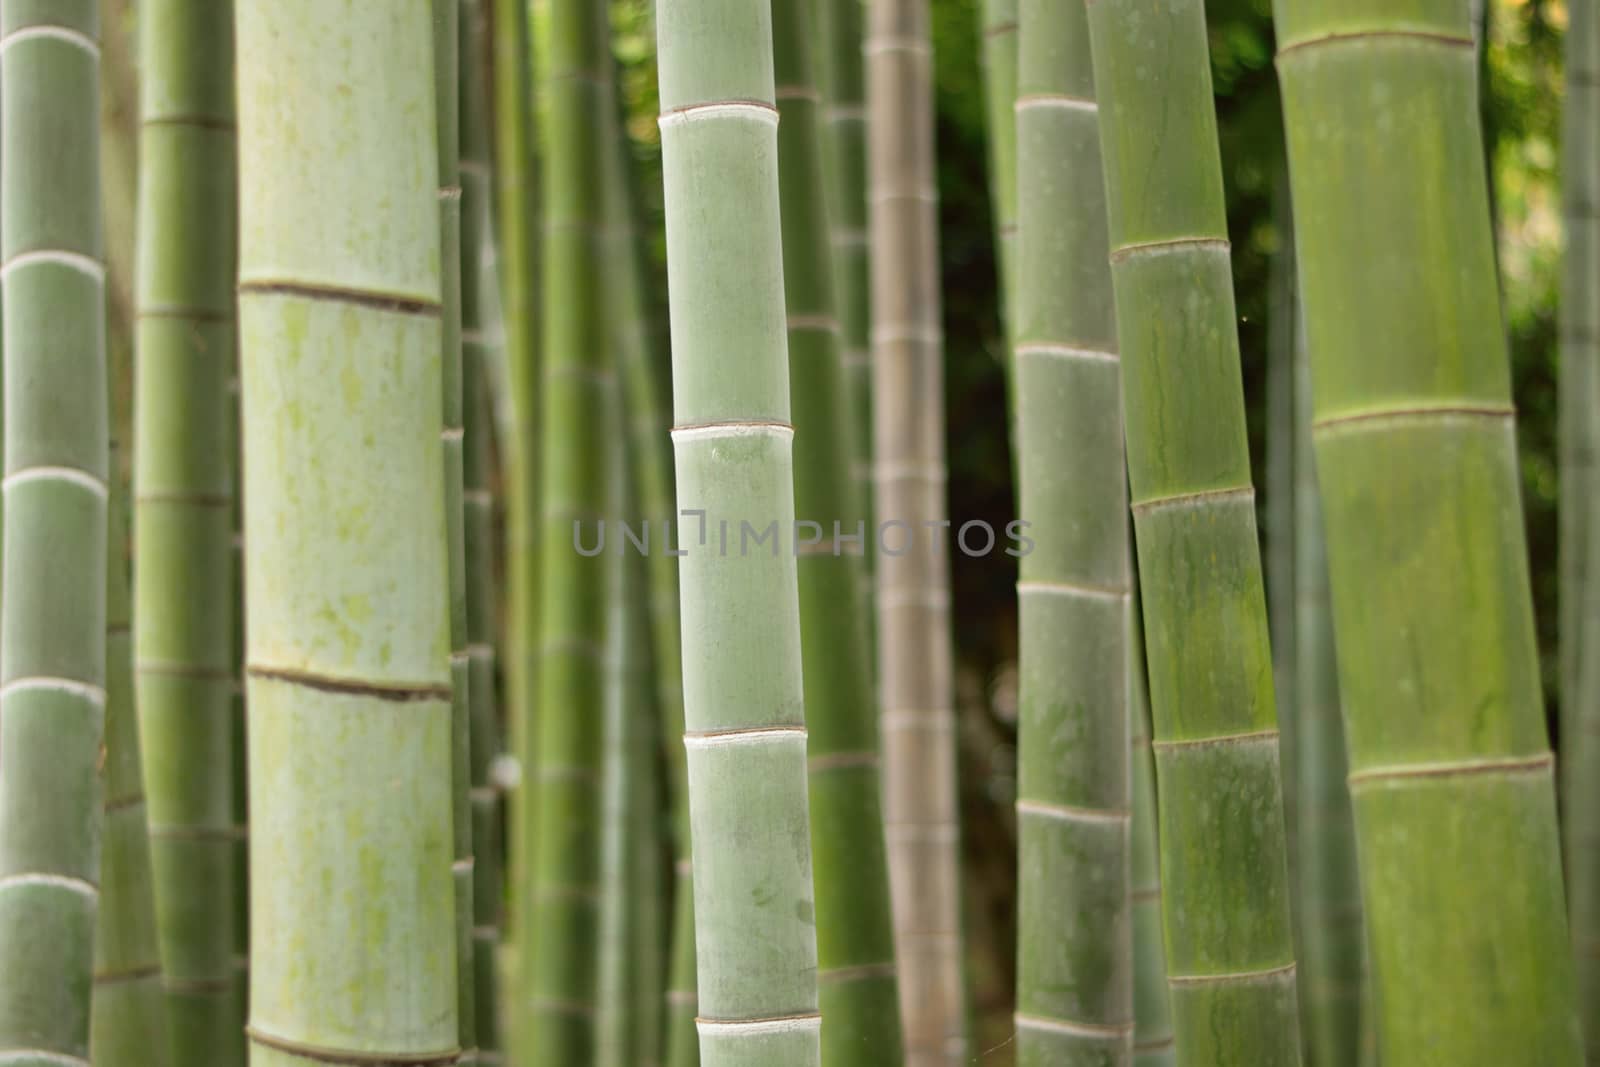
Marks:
<point>1225,897</point>
<point>856,981</point>
<point>183,514</point>
<point>1450,768</point>
<point>128,1025</point>
<point>1074,803</point>
<point>1580,537</point>
<point>348,621</point>
<point>559,977</point>
<point>52,665</point>
<point>743,703</point>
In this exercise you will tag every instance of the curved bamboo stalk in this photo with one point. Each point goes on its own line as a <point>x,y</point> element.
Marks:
<point>348,621</point>
<point>745,719</point>
<point>913,607</point>
<point>856,980</point>
<point>559,978</point>
<point>52,665</point>
<point>183,484</point>
<point>1225,901</point>
<point>1153,1043</point>
<point>1074,804</point>
<point>1451,775</point>
<point>128,1019</point>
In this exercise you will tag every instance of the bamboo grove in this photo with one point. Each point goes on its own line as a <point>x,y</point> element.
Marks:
<point>489,569</point>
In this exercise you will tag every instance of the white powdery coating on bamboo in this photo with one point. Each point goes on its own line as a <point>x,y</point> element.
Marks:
<point>1059,101</point>
<point>51,33</point>
<point>93,693</point>
<point>1055,351</point>
<point>1073,1029</point>
<point>61,257</point>
<point>717,430</point>
<point>1067,813</point>
<point>1067,589</point>
<point>733,738</point>
<point>39,1055</point>
<point>724,109</point>
<point>792,1024</point>
<point>1266,974</point>
<point>51,881</point>
<point>59,474</point>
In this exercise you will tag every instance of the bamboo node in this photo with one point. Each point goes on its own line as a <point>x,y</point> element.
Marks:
<point>1073,1028</point>
<point>64,34</point>
<point>1421,36</point>
<point>1072,813</point>
<point>400,694</point>
<point>40,879</point>
<point>779,1024</point>
<point>358,1058</point>
<point>1063,101</point>
<point>132,974</point>
<point>1544,761</point>
<point>732,428</point>
<point>680,116</point>
<point>72,475</point>
<point>1442,411</point>
<point>1066,351</point>
<point>1170,245</point>
<point>95,694</point>
<point>1268,974</point>
<point>1204,496</point>
<point>33,1056</point>
<point>390,302</point>
<point>750,735</point>
<point>1249,737</point>
<point>1092,592</point>
<point>816,323</point>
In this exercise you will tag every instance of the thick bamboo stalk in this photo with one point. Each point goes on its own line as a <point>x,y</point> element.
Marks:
<point>842,76</point>
<point>1331,941</point>
<point>1074,803</point>
<point>1153,1043</point>
<point>856,980</point>
<point>128,1021</point>
<point>913,591</point>
<point>53,619</point>
<point>1580,540</point>
<point>1225,895</point>
<point>449,18</point>
<point>183,484</point>
<point>348,614</point>
<point>1450,768</point>
<point>560,976</point>
<point>743,701</point>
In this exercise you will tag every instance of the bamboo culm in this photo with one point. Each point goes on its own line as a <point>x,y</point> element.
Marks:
<point>745,719</point>
<point>1451,777</point>
<point>1225,897</point>
<point>560,977</point>
<point>53,620</point>
<point>856,979</point>
<point>1074,802</point>
<point>349,680</point>
<point>1153,1043</point>
<point>915,670</point>
<point>183,514</point>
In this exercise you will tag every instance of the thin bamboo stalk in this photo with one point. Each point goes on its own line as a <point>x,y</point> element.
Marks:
<point>560,980</point>
<point>53,619</point>
<point>856,980</point>
<point>1074,803</point>
<point>913,608</point>
<point>1225,896</point>
<point>1153,1042</point>
<point>348,613</point>
<point>1450,768</point>
<point>183,484</point>
<point>1332,946</point>
<point>743,700</point>
<point>1580,602</point>
<point>1000,72</point>
<point>480,330</point>
<point>128,1020</point>
<point>449,19</point>
<point>1280,559</point>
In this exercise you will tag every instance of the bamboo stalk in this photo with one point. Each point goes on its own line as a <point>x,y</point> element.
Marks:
<point>560,977</point>
<point>856,980</point>
<point>1450,768</point>
<point>1282,462</point>
<point>128,1019</point>
<point>1225,895</point>
<point>183,609</point>
<point>1580,348</point>
<point>913,610</point>
<point>745,717</point>
<point>348,621</point>
<point>1074,804</point>
<point>53,618</point>
<point>1153,1042</point>
<point>1332,945</point>
<point>1000,72</point>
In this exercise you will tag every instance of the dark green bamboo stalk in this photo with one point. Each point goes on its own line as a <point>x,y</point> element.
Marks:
<point>560,975</point>
<point>1225,895</point>
<point>913,586</point>
<point>128,1022</point>
<point>1280,517</point>
<point>1153,1044</point>
<point>348,608</point>
<point>1450,769</point>
<point>53,620</point>
<point>1000,72</point>
<point>746,734</point>
<point>1074,805</point>
<point>1331,941</point>
<point>183,481</point>
<point>856,979</point>
<point>1580,540</point>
